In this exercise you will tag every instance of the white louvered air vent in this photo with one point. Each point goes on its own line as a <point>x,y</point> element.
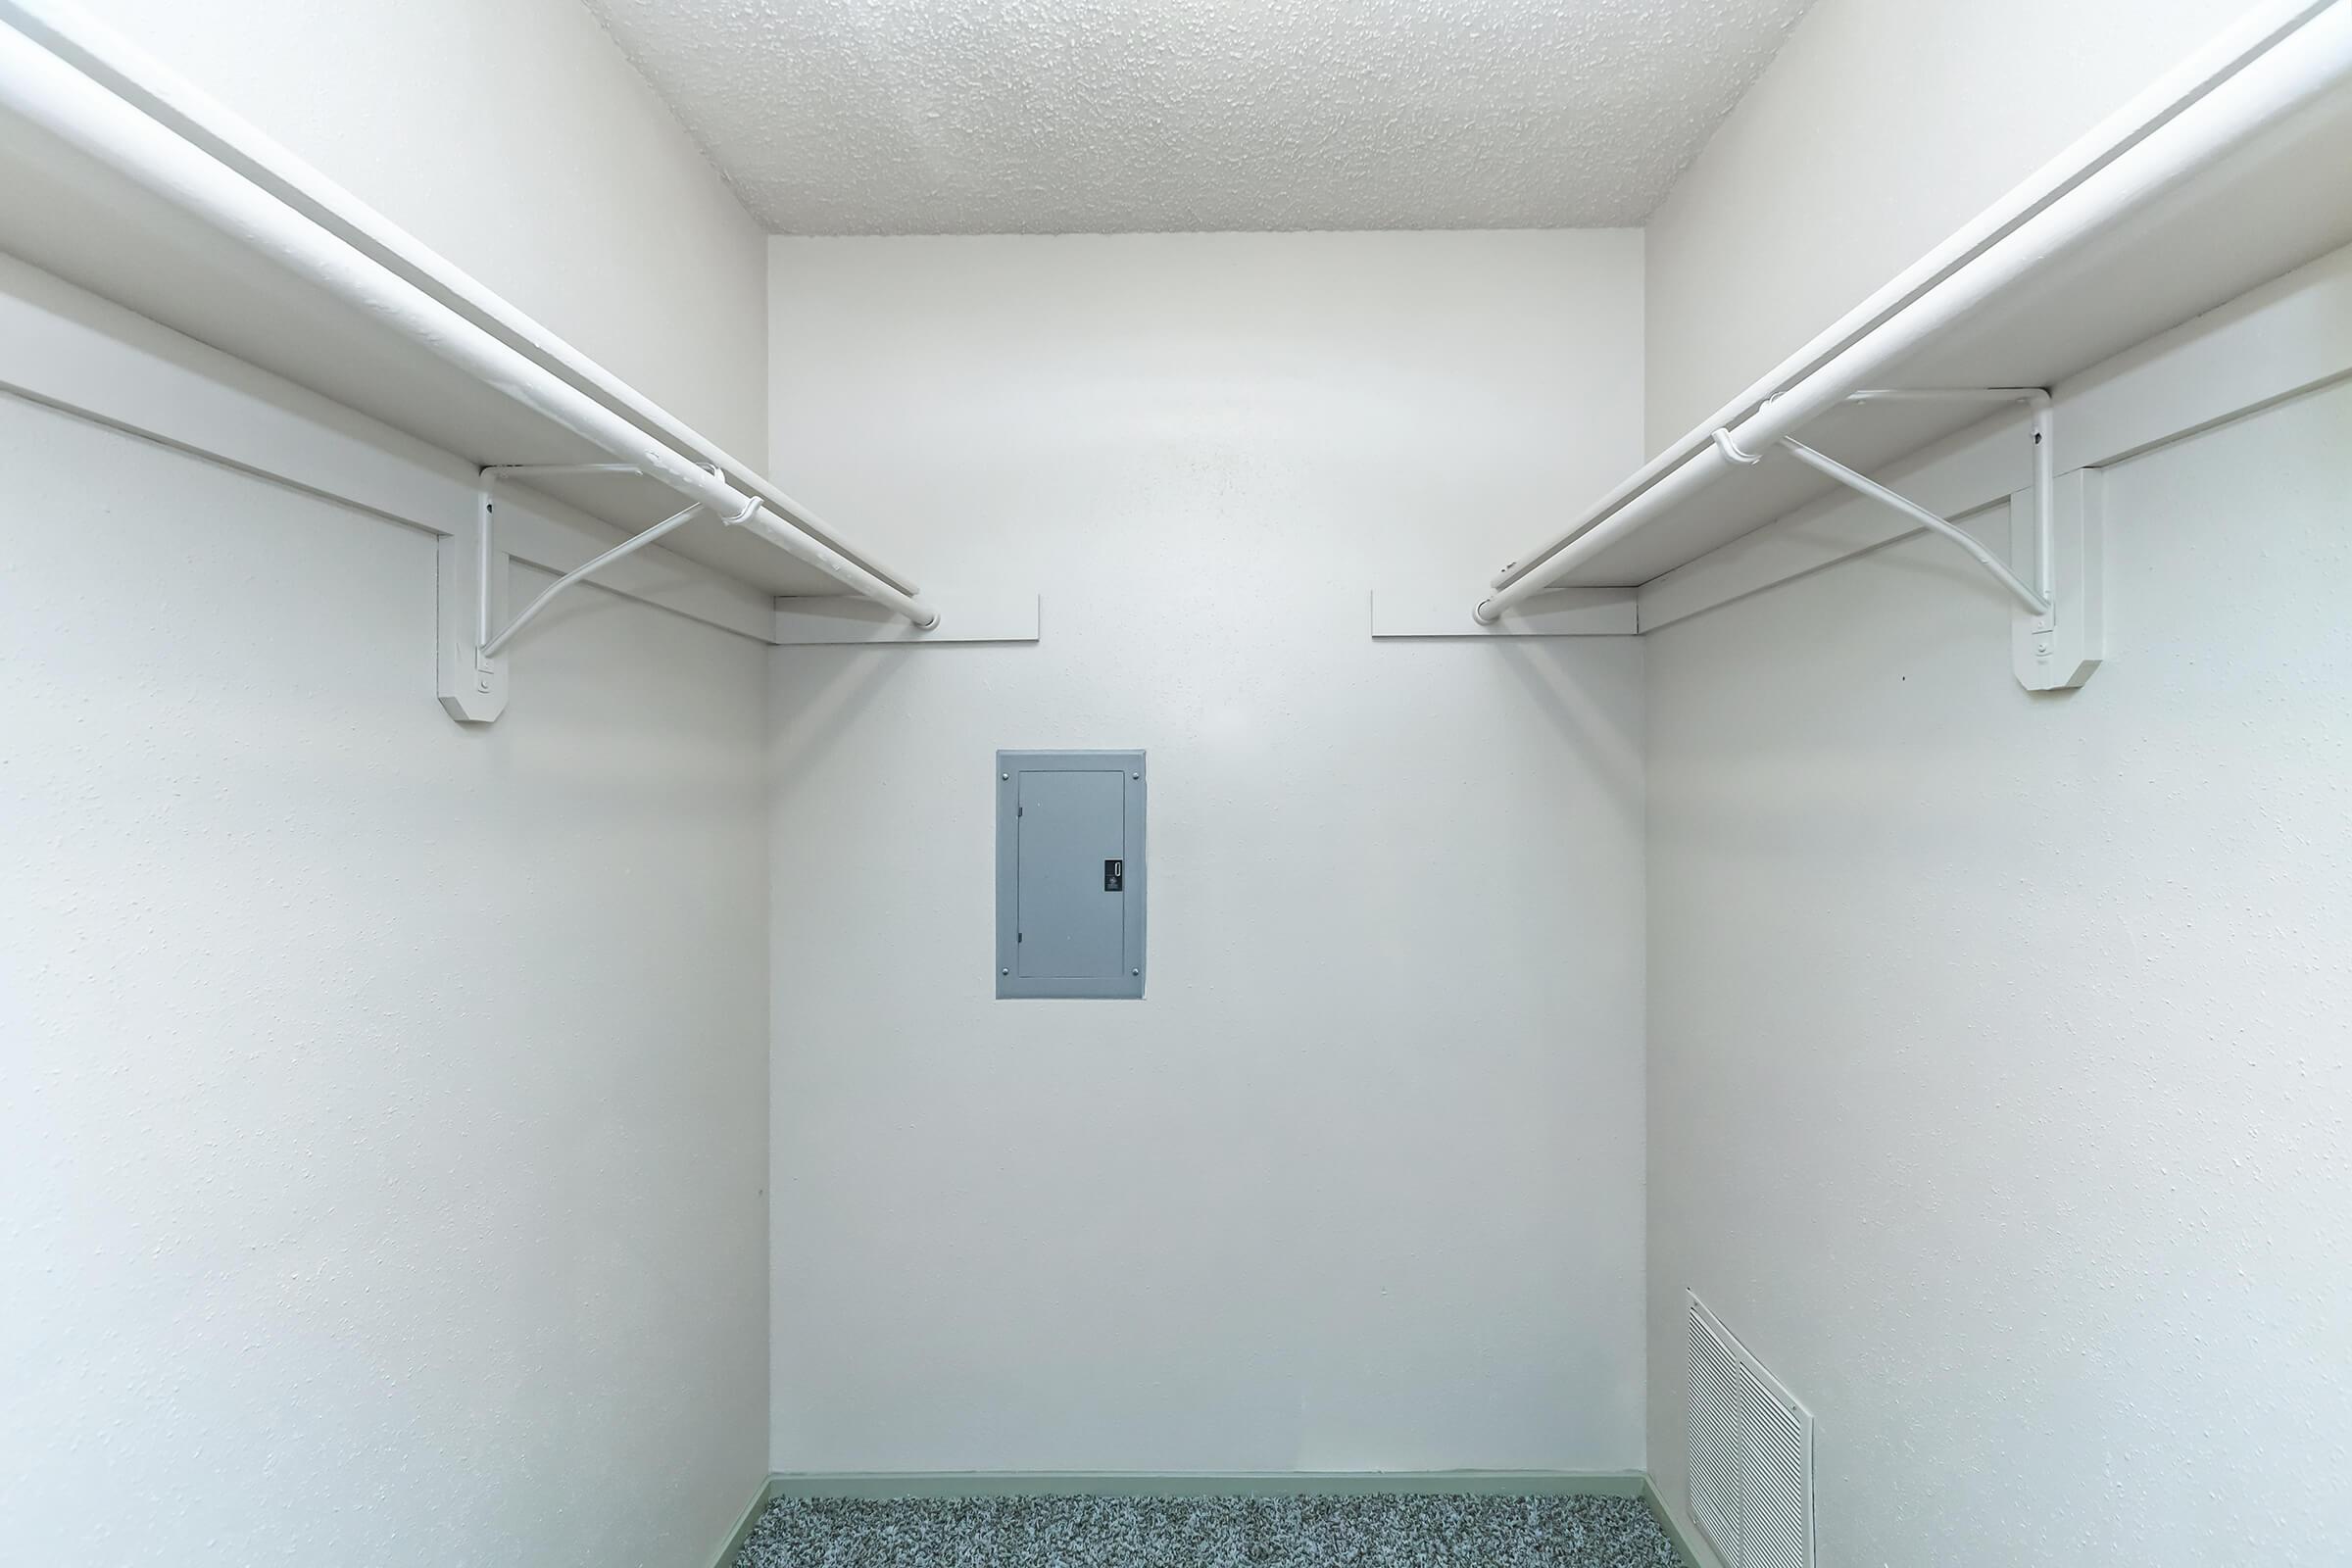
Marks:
<point>1749,1449</point>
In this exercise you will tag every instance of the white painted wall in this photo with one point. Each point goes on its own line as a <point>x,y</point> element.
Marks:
<point>1878,130</point>
<point>1359,1184</point>
<point>517,139</point>
<point>1999,1081</point>
<point>384,1140</point>
<point>385,1154</point>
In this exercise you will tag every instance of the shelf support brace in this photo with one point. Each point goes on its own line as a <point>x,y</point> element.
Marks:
<point>629,546</point>
<point>2035,602</point>
<point>2059,621</point>
<point>473,580</point>
<point>2044,412</point>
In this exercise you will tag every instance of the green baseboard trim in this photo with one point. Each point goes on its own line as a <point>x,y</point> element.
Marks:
<point>766,1494</point>
<point>1247,1484</point>
<point>1684,1546</point>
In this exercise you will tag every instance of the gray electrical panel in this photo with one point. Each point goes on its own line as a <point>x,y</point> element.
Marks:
<point>1069,873</point>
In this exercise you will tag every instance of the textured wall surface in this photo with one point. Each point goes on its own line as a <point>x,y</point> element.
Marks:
<point>383,1139</point>
<point>2000,1090</point>
<point>515,139</point>
<point>1358,1186</point>
<point>1877,131</point>
<point>920,116</point>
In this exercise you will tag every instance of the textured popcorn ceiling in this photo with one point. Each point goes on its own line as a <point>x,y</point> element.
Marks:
<point>928,116</point>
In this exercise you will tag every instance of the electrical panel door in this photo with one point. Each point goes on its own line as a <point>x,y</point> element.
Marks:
<point>1069,873</point>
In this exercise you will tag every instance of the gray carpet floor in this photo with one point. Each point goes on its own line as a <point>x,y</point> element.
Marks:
<point>1375,1530</point>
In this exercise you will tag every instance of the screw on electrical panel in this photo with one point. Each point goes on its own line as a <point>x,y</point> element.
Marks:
<point>1003,775</point>
<point>1003,972</point>
<point>1135,971</point>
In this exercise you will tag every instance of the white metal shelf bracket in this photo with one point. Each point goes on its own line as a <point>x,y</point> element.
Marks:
<point>2058,638</point>
<point>2066,524</point>
<point>472,593</point>
<point>474,573</point>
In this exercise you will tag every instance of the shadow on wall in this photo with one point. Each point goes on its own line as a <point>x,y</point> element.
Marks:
<point>803,736</point>
<point>1548,673</point>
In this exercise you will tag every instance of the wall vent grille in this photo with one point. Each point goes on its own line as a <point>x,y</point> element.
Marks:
<point>1748,1446</point>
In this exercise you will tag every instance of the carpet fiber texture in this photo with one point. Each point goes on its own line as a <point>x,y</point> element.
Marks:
<point>1374,1530</point>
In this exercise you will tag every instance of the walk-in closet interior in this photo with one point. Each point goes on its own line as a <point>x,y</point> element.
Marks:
<point>1098,783</point>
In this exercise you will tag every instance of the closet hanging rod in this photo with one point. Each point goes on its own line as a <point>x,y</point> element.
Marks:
<point>67,74</point>
<point>2133,155</point>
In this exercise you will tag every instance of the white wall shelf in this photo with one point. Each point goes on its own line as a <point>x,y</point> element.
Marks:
<point>2228,173</point>
<point>131,183</point>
